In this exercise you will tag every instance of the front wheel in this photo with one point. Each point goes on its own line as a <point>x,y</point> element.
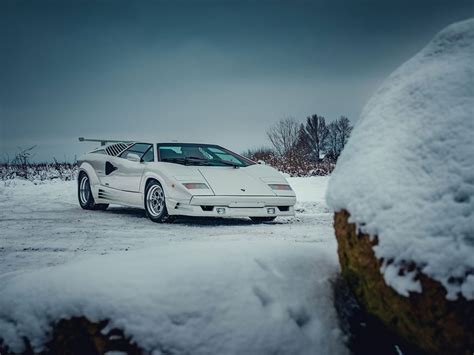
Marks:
<point>262,219</point>
<point>84,194</point>
<point>155,203</point>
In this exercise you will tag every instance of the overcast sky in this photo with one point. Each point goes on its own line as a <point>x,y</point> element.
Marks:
<point>199,71</point>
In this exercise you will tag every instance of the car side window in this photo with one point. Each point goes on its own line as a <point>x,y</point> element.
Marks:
<point>149,156</point>
<point>139,149</point>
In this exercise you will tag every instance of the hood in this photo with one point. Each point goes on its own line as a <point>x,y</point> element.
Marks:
<point>235,182</point>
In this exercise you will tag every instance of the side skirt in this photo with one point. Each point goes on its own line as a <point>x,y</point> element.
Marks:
<point>105,194</point>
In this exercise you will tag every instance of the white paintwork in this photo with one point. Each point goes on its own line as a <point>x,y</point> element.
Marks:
<point>231,181</point>
<point>243,192</point>
<point>133,157</point>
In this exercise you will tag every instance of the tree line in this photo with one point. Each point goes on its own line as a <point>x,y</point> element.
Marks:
<point>309,148</point>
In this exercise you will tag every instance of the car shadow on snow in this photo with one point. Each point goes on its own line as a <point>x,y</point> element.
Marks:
<point>192,221</point>
<point>126,211</point>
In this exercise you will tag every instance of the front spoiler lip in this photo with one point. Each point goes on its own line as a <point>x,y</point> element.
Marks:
<point>197,211</point>
<point>235,206</point>
<point>243,201</point>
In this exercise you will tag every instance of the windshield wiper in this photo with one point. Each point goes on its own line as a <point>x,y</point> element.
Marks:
<point>172,160</point>
<point>210,162</point>
<point>186,160</point>
<point>228,163</point>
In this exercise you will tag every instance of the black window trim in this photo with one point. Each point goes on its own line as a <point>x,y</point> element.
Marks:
<point>141,156</point>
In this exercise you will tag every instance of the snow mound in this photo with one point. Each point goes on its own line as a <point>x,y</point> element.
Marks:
<point>224,298</point>
<point>407,172</point>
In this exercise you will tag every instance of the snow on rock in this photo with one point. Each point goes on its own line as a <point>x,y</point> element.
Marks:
<point>407,172</point>
<point>201,298</point>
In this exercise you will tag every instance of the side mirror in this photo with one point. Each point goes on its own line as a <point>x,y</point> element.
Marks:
<point>261,162</point>
<point>133,157</point>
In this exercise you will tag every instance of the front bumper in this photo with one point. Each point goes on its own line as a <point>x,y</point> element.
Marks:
<point>233,206</point>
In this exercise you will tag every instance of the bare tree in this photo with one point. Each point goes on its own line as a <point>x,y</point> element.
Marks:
<point>23,156</point>
<point>344,129</point>
<point>317,135</point>
<point>302,145</point>
<point>332,149</point>
<point>22,160</point>
<point>284,135</point>
<point>339,132</point>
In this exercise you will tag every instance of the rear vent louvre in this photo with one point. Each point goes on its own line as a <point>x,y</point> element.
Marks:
<point>117,148</point>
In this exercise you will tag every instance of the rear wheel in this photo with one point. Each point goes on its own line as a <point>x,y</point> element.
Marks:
<point>262,219</point>
<point>84,194</point>
<point>155,203</point>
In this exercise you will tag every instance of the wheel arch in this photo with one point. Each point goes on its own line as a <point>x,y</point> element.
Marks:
<point>149,176</point>
<point>89,170</point>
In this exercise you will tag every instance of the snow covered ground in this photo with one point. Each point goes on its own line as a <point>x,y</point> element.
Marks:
<point>197,285</point>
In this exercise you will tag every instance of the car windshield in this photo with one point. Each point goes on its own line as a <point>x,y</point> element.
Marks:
<point>200,154</point>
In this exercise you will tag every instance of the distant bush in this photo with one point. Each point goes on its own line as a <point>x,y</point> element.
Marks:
<point>292,163</point>
<point>39,171</point>
<point>21,167</point>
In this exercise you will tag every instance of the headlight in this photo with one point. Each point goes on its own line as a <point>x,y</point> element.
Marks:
<point>195,186</point>
<point>280,187</point>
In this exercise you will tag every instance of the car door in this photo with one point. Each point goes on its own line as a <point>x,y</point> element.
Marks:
<point>124,172</point>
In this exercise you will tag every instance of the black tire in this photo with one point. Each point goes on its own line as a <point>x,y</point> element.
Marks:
<point>262,219</point>
<point>155,203</point>
<point>84,194</point>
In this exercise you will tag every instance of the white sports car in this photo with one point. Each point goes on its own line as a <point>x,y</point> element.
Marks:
<point>181,179</point>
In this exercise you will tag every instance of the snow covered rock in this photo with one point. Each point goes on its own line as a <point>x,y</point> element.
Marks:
<point>405,186</point>
<point>180,298</point>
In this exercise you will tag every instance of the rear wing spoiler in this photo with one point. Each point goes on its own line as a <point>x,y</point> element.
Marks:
<point>103,141</point>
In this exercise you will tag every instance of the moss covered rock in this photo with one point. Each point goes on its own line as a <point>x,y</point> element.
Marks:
<point>427,319</point>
